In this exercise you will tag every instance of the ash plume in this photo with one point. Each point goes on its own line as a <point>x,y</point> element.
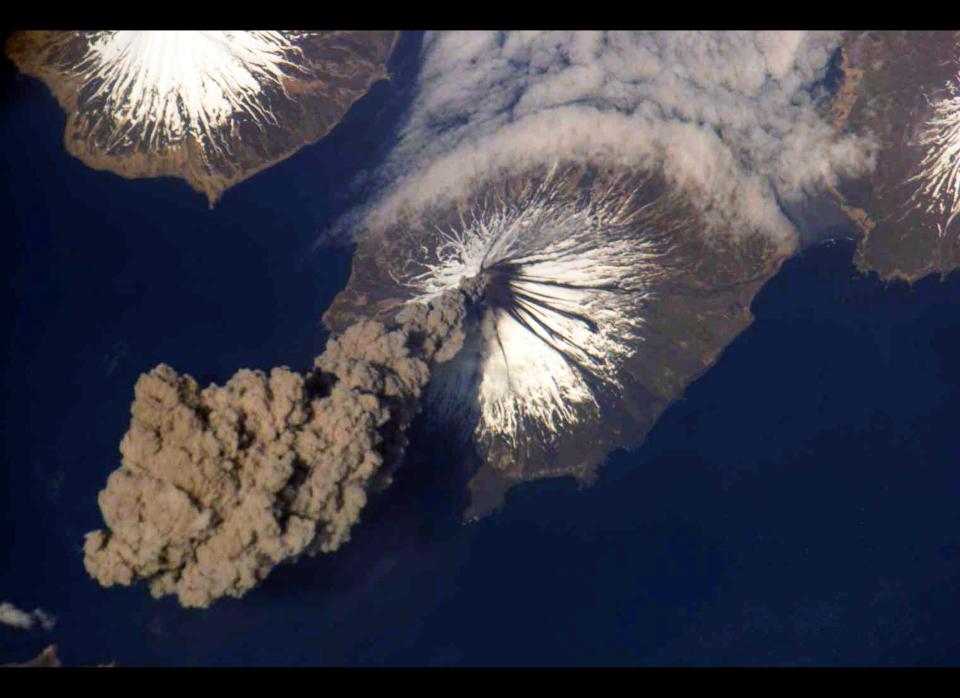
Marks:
<point>218,486</point>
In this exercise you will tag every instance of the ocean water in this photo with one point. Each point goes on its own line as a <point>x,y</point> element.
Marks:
<point>798,506</point>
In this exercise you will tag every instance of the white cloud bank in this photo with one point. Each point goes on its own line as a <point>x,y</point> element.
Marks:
<point>730,117</point>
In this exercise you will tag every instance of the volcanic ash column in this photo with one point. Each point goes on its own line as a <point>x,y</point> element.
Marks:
<point>218,486</point>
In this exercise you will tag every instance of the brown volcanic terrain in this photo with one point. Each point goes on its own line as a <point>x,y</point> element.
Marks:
<point>335,69</point>
<point>47,659</point>
<point>890,80</point>
<point>701,303</point>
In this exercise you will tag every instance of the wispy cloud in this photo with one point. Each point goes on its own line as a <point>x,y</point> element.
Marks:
<point>24,620</point>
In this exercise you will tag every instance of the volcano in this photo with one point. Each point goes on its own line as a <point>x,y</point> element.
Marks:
<point>904,88</point>
<point>211,107</point>
<point>604,293</point>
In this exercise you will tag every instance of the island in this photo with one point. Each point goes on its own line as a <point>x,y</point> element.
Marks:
<point>211,107</point>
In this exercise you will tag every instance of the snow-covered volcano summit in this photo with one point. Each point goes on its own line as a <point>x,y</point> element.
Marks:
<point>212,107</point>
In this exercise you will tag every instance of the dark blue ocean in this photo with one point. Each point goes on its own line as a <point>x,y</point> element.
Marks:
<point>798,507</point>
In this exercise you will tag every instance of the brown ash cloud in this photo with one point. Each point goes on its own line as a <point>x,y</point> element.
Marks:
<point>218,486</point>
